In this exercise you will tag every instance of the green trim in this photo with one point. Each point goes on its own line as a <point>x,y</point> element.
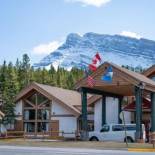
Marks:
<point>138,95</point>
<point>152,112</point>
<point>84,115</point>
<point>103,110</point>
<point>119,109</point>
<point>99,92</point>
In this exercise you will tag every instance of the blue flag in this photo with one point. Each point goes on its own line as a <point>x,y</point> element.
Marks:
<point>107,77</point>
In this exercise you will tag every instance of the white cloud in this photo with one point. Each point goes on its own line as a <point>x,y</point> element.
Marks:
<point>96,3</point>
<point>47,48</point>
<point>130,34</point>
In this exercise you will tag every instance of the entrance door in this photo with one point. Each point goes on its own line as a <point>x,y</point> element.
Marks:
<point>55,128</point>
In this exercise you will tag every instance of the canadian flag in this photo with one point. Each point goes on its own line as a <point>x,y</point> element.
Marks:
<point>95,62</point>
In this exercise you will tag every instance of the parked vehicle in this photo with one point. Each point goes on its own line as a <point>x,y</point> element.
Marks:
<point>116,132</point>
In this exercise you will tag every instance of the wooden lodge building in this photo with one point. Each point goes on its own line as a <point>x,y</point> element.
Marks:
<point>146,102</point>
<point>50,110</point>
<point>124,83</point>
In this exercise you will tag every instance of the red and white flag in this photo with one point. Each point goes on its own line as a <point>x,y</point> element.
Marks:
<point>90,81</point>
<point>95,62</point>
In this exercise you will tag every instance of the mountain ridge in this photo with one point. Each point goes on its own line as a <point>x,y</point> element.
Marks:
<point>77,51</point>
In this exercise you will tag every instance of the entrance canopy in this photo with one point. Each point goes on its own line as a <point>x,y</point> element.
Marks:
<point>114,81</point>
<point>123,81</point>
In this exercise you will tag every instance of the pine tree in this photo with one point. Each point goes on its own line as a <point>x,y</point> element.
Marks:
<point>24,70</point>
<point>9,93</point>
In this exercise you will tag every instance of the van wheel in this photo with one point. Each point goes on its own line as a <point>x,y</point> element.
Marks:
<point>129,140</point>
<point>93,139</point>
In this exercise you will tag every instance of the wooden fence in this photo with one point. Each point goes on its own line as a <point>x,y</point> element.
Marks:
<point>43,135</point>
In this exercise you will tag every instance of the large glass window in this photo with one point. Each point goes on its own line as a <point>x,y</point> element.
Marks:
<point>29,114</point>
<point>29,127</point>
<point>40,98</point>
<point>43,114</point>
<point>36,113</point>
<point>42,126</point>
<point>32,99</point>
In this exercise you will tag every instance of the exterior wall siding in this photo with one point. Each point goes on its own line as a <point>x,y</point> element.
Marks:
<point>127,116</point>
<point>67,124</point>
<point>111,113</point>
<point>57,109</point>
<point>19,108</point>
<point>67,121</point>
<point>98,115</point>
<point>111,110</point>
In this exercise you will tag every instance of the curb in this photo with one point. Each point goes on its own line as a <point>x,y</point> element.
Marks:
<point>141,150</point>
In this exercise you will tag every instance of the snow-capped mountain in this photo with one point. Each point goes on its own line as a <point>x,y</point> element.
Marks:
<point>78,50</point>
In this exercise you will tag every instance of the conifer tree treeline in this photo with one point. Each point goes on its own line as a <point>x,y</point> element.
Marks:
<point>15,77</point>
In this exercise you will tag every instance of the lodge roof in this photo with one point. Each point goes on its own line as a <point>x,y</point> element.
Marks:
<point>123,80</point>
<point>150,71</point>
<point>68,98</point>
<point>146,106</point>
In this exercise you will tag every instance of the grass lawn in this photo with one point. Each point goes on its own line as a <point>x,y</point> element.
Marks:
<point>72,144</point>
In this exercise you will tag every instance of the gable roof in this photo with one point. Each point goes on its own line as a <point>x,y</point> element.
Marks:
<point>150,71</point>
<point>123,80</point>
<point>146,106</point>
<point>68,98</point>
<point>93,99</point>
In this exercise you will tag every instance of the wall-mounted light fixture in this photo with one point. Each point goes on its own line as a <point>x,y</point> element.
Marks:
<point>141,85</point>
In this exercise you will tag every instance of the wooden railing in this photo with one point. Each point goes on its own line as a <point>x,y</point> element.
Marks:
<point>43,135</point>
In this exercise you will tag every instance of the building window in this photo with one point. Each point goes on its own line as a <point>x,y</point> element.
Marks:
<point>29,127</point>
<point>29,114</point>
<point>153,78</point>
<point>36,113</point>
<point>42,126</point>
<point>43,114</point>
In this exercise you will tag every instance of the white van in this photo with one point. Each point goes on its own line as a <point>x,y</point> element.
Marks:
<point>116,132</point>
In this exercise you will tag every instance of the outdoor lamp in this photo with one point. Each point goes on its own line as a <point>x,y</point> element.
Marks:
<point>141,85</point>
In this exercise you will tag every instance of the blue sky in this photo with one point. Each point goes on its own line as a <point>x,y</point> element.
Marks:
<point>37,27</point>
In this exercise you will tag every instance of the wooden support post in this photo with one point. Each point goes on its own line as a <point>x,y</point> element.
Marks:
<point>36,114</point>
<point>84,115</point>
<point>152,112</point>
<point>103,110</point>
<point>119,109</point>
<point>153,118</point>
<point>138,95</point>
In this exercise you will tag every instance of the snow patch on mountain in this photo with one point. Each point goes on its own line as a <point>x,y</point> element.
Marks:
<point>78,51</point>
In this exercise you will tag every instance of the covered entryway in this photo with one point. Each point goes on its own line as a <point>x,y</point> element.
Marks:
<point>146,117</point>
<point>124,83</point>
